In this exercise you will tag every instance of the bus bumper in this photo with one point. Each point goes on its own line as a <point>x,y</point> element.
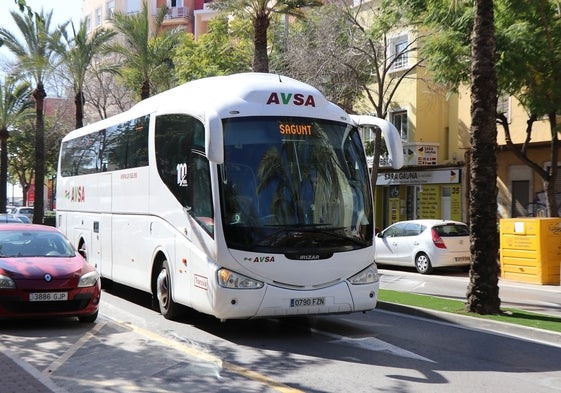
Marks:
<point>272,301</point>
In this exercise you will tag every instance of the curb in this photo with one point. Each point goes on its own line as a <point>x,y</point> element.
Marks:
<point>522,332</point>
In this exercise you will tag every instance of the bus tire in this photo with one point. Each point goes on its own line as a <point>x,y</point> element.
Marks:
<point>163,296</point>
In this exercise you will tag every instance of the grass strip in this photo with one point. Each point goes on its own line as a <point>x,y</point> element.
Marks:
<point>508,315</point>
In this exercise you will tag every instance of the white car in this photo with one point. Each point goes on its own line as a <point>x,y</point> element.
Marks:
<point>425,244</point>
<point>23,210</point>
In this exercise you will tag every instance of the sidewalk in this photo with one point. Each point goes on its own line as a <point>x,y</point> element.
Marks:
<point>20,377</point>
<point>541,299</point>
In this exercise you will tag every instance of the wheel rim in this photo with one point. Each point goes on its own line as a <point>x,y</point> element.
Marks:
<point>163,289</point>
<point>422,263</point>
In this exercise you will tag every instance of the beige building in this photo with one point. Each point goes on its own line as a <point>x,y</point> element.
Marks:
<point>192,15</point>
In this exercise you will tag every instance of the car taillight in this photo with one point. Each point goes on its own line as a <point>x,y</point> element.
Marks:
<point>437,240</point>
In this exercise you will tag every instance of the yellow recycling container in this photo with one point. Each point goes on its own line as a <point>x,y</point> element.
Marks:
<point>530,249</point>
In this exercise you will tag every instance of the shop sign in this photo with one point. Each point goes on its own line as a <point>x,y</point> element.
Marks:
<point>446,176</point>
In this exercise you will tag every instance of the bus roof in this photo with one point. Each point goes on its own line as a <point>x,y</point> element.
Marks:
<point>244,94</point>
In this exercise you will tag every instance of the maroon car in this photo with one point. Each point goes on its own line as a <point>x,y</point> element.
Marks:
<point>42,275</point>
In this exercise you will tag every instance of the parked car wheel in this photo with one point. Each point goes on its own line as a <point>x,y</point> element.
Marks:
<point>422,263</point>
<point>88,318</point>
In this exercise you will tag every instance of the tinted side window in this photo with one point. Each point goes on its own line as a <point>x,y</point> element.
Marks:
<point>126,145</point>
<point>182,165</point>
<point>118,147</point>
<point>412,229</point>
<point>395,231</point>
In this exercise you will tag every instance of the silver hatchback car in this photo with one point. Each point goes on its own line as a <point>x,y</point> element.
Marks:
<point>425,244</point>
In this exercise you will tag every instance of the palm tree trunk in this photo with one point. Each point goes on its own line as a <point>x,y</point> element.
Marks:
<point>3,169</point>
<point>260,57</point>
<point>483,290</point>
<point>549,184</point>
<point>79,109</point>
<point>145,90</point>
<point>39,94</point>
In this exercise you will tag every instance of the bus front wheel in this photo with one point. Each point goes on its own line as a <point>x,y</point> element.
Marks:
<point>168,308</point>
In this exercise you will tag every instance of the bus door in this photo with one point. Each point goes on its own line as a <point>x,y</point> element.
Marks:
<point>99,252</point>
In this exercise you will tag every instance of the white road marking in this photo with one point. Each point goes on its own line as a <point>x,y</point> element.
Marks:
<point>373,344</point>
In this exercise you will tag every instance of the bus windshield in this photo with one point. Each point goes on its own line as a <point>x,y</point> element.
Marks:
<point>292,184</point>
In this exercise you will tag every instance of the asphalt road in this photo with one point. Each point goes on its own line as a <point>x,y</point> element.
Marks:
<point>134,349</point>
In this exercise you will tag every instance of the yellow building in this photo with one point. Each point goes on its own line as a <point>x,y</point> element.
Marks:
<point>520,188</point>
<point>435,130</point>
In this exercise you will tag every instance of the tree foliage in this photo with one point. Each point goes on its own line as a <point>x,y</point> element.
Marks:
<point>35,59</point>
<point>260,13</point>
<point>146,50</point>
<point>77,50</point>
<point>225,49</point>
<point>15,100</point>
<point>527,53</point>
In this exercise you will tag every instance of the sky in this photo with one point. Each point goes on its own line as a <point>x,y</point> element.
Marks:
<point>63,10</point>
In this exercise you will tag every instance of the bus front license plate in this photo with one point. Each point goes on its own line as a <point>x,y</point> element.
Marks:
<point>307,302</point>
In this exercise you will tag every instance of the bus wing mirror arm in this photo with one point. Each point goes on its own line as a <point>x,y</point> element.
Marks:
<point>214,138</point>
<point>391,137</point>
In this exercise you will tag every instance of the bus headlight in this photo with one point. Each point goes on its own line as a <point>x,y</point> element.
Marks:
<point>366,276</point>
<point>230,279</point>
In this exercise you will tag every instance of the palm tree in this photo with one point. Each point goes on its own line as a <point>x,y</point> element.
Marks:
<point>147,52</point>
<point>77,52</point>
<point>483,290</point>
<point>15,99</point>
<point>35,57</point>
<point>260,13</point>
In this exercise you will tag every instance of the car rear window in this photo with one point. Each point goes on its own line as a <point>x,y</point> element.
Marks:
<point>452,230</point>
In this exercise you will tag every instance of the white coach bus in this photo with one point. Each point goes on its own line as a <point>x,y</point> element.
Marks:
<point>239,196</point>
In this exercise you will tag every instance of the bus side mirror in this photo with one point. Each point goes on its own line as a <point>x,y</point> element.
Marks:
<point>214,138</point>
<point>391,137</point>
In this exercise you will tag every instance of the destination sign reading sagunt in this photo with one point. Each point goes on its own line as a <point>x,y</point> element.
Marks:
<point>295,129</point>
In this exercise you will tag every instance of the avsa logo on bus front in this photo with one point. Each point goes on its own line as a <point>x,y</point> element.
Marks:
<point>260,259</point>
<point>287,98</point>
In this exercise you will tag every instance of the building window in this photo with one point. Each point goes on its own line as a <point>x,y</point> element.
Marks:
<point>503,106</point>
<point>175,3</point>
<point>98,16</point>
<point>399,120</point>
<point>88,23</point>
<point>399,52</point>
<point>110,9</point>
